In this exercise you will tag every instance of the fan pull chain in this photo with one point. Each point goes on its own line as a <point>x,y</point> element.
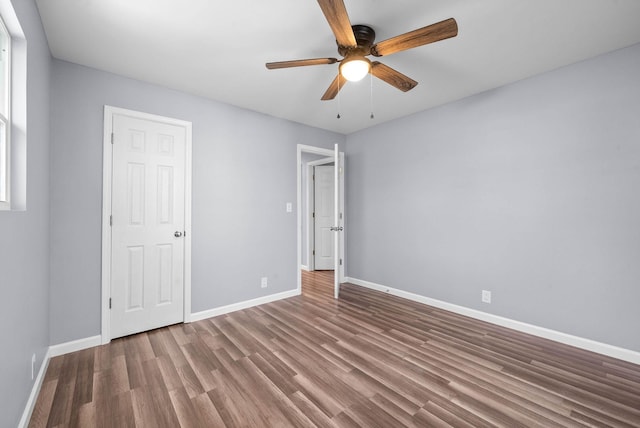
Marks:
<point>339,104</point>
<point>371,80</point>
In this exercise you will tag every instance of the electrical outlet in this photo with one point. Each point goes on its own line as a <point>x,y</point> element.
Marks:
<point>289,207</point>
<point>33,366</point>
<point>486,296</point>
<point>264,282</point>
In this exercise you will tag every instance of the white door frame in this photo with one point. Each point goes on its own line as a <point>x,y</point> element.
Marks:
<point>322,152</point>
<point>107,175</point>
<point>309,203</point>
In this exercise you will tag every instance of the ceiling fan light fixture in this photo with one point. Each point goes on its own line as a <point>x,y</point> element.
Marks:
<point>355,68</point>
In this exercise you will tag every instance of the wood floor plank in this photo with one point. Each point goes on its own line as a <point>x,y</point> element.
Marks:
<point>284,383</point>
<point>202,363</point>
<point>186,412</point>
<point>207,413</point>
<point>42,408</point>
<point>53,369</point>
<point>449,415</point>
<point>230,400</point>
<point>405,418</point>
<point>308,408</point>
<point>190,380</point>
<point>62,405</point>
<point>103,396</point>
<point>169,373</point>
<point>366,413</point>
<point>368,359</point>
<point>343,420</point>
<point>143,408</point>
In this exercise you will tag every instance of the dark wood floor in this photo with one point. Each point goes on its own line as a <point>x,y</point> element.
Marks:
<point>369,360</point>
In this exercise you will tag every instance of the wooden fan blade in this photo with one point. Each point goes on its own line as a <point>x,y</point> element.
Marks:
<point>336,14</point>
<point>392,77</point>
<point>422,36</point>
<point>300,63</point>
<point>335,86</point>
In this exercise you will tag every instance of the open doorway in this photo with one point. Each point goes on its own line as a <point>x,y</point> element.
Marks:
<point>317,214</point>
<point>308,158</point>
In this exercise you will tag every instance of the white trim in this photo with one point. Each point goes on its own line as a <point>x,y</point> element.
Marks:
<point>343,210</point>
<point>90,342</point>
<point>16,116</point>
<point>322,161</point>
<point>107,162</point>
<point>323,152</point>
<point>5,146</point>
<point>567,339</point>
<point>74,345</point>
<point>243,305</point>
<point>307,149</point>
<point>35,391</point>
<point>5,162</point>
<point>187,223</point>
<point>310,232</point>
<point>304,267</point>
<point>53,351</point>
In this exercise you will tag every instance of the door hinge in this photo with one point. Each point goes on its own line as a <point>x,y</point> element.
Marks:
<point>113,137</point>
<point>110,220</point>
<point>184,233</point>
<point>314,176</point>
<point>314,252</point>
<point>340,216</point>
<point>340,262</point>
<point>109,302</point>
<point>313,215</point>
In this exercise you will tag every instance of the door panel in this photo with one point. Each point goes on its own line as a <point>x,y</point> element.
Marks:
<point>134,284</point>
<point>148,206</point>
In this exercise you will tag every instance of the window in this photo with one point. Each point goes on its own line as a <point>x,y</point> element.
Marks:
<point>5,103</point>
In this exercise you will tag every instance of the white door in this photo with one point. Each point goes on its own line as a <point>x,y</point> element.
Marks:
<point>337,219</point>
<point>323,217</point>
<point>148,224</point>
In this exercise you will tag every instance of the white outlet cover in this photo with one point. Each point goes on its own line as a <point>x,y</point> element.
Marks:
<point>264,282</point>
<point>486,296</point>
<point>289,207</point>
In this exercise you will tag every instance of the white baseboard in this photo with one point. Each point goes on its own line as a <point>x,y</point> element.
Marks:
<point>35,390</point>
<point>567,339</point>
<point>53,351</point>
<point>89,342</point>
<point>197,316</point>
<point>75,345</point>
<point>304,267</point>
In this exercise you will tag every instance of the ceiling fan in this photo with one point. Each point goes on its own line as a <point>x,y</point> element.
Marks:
<point>356,42</point>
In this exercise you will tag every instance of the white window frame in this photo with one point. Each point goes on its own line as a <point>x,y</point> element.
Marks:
<point>5,122</point>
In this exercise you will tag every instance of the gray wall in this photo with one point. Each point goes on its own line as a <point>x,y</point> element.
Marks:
<point>244,173</point>
<point>530,191</point>
<point>24,239</point>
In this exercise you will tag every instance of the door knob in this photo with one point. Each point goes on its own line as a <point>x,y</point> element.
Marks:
<point>177,234</point>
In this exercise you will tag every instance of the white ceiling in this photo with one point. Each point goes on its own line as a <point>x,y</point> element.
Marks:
<point>218,49</point>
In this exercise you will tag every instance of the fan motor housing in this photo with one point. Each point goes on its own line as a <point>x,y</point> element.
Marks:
<point>364,39</point>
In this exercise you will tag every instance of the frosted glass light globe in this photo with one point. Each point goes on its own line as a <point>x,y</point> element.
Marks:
<point>355,69</point>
